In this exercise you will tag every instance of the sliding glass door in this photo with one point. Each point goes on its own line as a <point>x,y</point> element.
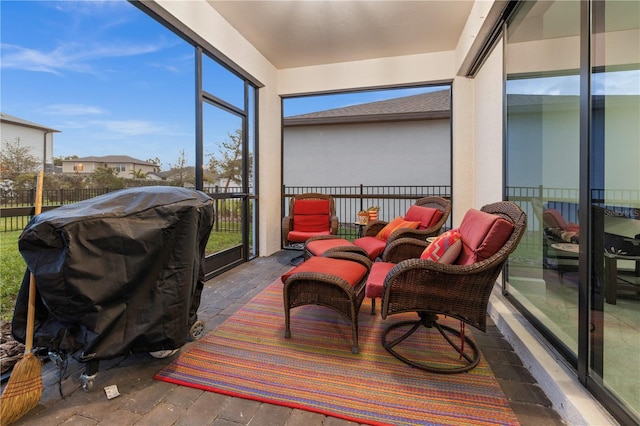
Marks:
<point>615,200</point>
<point>573,162</point>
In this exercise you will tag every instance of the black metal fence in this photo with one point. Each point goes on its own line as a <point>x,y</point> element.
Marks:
<point>17,206</point>
<point>393,201</point>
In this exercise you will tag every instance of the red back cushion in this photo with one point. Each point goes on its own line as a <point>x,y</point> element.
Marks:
<point>445,248</point>
<point>424,215</point>
<point>311,206</point>
<point>436,217</point>
<point>396,223</point>
<point>311,215</point>
<point>483,234</point>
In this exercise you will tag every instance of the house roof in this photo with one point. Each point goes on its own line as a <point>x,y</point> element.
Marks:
<point>7,118</point>
<point>432,105</point>
<point>110,159</point>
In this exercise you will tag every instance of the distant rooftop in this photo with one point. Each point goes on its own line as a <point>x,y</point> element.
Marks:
<point>424,106</point>
<point>110,159</point>
<point>7,118</point>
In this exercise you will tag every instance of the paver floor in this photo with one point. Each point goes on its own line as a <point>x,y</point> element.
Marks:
<point>144,401</point>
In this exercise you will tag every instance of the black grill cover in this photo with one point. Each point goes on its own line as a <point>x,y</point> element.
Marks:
<point>116,274</point>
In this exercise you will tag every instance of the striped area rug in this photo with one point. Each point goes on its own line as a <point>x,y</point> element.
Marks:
<point>248,357</point>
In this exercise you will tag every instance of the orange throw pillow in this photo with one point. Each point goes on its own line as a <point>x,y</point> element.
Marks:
<point>396,223</point>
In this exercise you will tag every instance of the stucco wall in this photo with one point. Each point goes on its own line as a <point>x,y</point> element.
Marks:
<point>29,137</point>
<point>400,153</point>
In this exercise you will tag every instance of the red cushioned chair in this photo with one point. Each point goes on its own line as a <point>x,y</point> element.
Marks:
<point>336,281</point>
<point>309,215</point>
<point>460,290</point>
<point>431,213</point>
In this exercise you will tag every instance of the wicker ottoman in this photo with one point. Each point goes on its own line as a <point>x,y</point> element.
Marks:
<point>337,282</point>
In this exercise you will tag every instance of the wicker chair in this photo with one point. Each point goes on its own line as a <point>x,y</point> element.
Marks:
<point>322,281</point>
<point>460,291</point>
<point>375,246</point>
<point>309,215</point>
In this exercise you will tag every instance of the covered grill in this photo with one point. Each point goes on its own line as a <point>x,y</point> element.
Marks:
<point>116,274</point>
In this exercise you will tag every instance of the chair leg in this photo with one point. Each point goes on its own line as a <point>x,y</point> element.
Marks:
<point>287,319</point>
<point>354,332</point>
<point>373,306</point>
<point>427,321</point>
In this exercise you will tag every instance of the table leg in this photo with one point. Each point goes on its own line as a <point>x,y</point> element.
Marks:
<point>610,279</point>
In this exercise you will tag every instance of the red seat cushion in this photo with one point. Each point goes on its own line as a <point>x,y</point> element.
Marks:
<point>396,223</point>
<point>351,272</point>
<point>301,237</point>
<point>375,280</point>
<point>483,234</point>
<point>427,216</point>
<point>319,247</point>
<point>445,248</point>
<point>374,246</point>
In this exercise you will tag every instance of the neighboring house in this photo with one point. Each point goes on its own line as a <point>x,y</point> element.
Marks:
<point>124,165</point>
<point>401,141</point>
<point>37,137</point>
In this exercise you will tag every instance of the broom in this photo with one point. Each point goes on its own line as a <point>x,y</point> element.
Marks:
<point>24,389</point>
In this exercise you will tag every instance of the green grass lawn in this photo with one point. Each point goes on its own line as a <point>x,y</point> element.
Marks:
<point>12,268</point>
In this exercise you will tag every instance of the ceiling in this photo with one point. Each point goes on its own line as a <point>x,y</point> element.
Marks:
<point>298,33</point>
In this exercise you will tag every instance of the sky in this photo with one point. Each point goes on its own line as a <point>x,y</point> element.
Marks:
<point>115,82</point>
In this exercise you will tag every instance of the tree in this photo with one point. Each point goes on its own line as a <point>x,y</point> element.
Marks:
<point>57,161</point>
<point>106,177</point>
<point>180,172</point>
<point>155,161</point>
<point>16,159</point>
<point>229,166</point>
<point>138,174</point>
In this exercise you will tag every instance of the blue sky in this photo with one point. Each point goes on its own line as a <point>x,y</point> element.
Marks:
<point>111,79</point>
<point>114,81</point>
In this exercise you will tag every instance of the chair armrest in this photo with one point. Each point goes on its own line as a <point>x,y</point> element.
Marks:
<point>420,234</point>
<point>335,223</point>
<point>403,249</point>
<point>373,227</point>
<point>286,227</point>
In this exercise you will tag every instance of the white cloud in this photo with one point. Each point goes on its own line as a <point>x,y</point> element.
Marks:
<point>72,109</point>
<point>132,127</point>
<point>114,129</point>
<point>74,57</point>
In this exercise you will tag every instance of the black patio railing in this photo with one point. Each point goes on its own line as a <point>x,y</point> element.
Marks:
<point>17,207</point>
<point>393,201</point>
